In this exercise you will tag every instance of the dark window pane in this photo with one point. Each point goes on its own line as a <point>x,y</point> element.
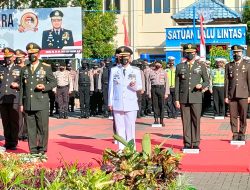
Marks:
<point>148,6</point>
<point>157,6</point>
<point>107,5</point>
<point>117,6</point>
<point>166,6</point>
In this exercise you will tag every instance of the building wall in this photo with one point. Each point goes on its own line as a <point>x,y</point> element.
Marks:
<point>147,31</point>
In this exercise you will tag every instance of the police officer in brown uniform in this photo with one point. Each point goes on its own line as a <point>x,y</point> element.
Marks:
<point>36,81</point>
<point>237,91</point>
<point>23,133</point>
<point>190,79</point>
<point>73,77</point>
<point>63,89</point>
<point>9,99</point>
<point>158,89</point>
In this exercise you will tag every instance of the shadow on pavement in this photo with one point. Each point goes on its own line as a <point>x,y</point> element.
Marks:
<point>81,147</point>
<point>75,136</point>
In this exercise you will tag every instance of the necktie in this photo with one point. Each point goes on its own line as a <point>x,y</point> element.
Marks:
<point>32,69</point>
<point>190,66</point>
<point>57,32</point>
<point>124,72</point>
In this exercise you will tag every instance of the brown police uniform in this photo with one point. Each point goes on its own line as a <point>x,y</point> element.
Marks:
<point>9,99</point>
<point>23,132</point>
<point>237,90</point>
<point>186,78</point>
<point>158,87</point>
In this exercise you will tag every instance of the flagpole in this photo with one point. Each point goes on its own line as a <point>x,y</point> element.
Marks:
<point>194,31</point>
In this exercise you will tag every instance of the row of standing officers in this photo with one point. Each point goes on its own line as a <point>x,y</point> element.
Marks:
<point>183,87</point>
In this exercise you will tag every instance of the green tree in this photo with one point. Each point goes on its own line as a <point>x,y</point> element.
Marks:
<point>246,19</point>
<point>216,52</point>
<point>99,29</point>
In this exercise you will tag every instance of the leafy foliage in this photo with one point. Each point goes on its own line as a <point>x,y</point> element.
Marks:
<point>218,51</point>
<point>246,19</point>
<point>120,170</point>
<point>157,170</point>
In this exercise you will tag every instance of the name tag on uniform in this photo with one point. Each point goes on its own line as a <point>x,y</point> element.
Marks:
<point>116,78</point>
<point>132,77</point>
<point>197,70</point>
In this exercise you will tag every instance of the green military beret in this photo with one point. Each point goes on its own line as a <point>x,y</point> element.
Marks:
<point>237,48</point>
<point>20,53</point>
<point>189,48</point>
<point>123,51</point>
<point>8,52</point>
<point>56,14</point>
<point>33,48</point>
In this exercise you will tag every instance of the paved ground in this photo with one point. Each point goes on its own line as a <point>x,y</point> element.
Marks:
<point>220,181</point>
<point>210,129</point>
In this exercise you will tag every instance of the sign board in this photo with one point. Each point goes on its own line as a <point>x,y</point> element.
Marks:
<point>18,27</point>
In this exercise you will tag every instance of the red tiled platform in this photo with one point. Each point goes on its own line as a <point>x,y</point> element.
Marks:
<point>84,141</point>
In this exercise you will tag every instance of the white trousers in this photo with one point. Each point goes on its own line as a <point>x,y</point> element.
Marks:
<point>125,125</point>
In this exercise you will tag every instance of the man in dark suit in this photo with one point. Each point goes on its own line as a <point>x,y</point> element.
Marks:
<point>36,81</point>
<point>190,79</point>
<point>57,37</point>
<point>237,91</point>
<point>9,98</point>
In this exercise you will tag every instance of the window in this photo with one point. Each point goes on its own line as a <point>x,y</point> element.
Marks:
<point>112,5</point>
<point>222,1</point>
<point>107,5</point>
<point>166,6</point>
<point>117,6</point>
<point>148,6</point>
<point>157,6</point>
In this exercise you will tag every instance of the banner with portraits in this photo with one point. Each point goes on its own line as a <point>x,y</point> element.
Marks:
<point>58,31</point>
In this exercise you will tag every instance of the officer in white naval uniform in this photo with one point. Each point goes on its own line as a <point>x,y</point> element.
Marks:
<point>124,81</point>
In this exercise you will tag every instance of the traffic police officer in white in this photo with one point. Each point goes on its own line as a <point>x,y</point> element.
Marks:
<point>124,81</point>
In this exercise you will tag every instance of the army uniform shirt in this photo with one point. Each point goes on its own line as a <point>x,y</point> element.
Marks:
<point>186,79</point>
<point>158,77</point>
<point>9,74</point>
<point>31,98</point>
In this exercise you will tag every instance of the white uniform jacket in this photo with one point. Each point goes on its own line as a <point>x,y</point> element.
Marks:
<point>122,97</point>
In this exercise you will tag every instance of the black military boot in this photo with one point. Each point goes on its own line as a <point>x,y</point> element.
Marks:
<point>82,115</point>
<point>86,115</point>
<point>106,114</point>
<point>61,115</point>
<point>65,115</point>
<point>162,123</point>
<point>156,121</point>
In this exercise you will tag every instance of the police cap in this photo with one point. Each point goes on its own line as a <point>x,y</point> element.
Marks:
<point>8,52</point>
<point>33,48</point>
<point>20,53</point>
<point>123,51</point>
<point>189,48</point>
<point>237,48</point>
<point>62,64</point>
<point>171,58</point>
<point>56,14</point>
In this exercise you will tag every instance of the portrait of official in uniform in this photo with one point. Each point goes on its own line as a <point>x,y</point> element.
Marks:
<point>57,37</point>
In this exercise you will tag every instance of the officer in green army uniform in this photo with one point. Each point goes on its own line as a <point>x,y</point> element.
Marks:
<point>36,81</point>
<point>57,37</point>
<point>188,95</point>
